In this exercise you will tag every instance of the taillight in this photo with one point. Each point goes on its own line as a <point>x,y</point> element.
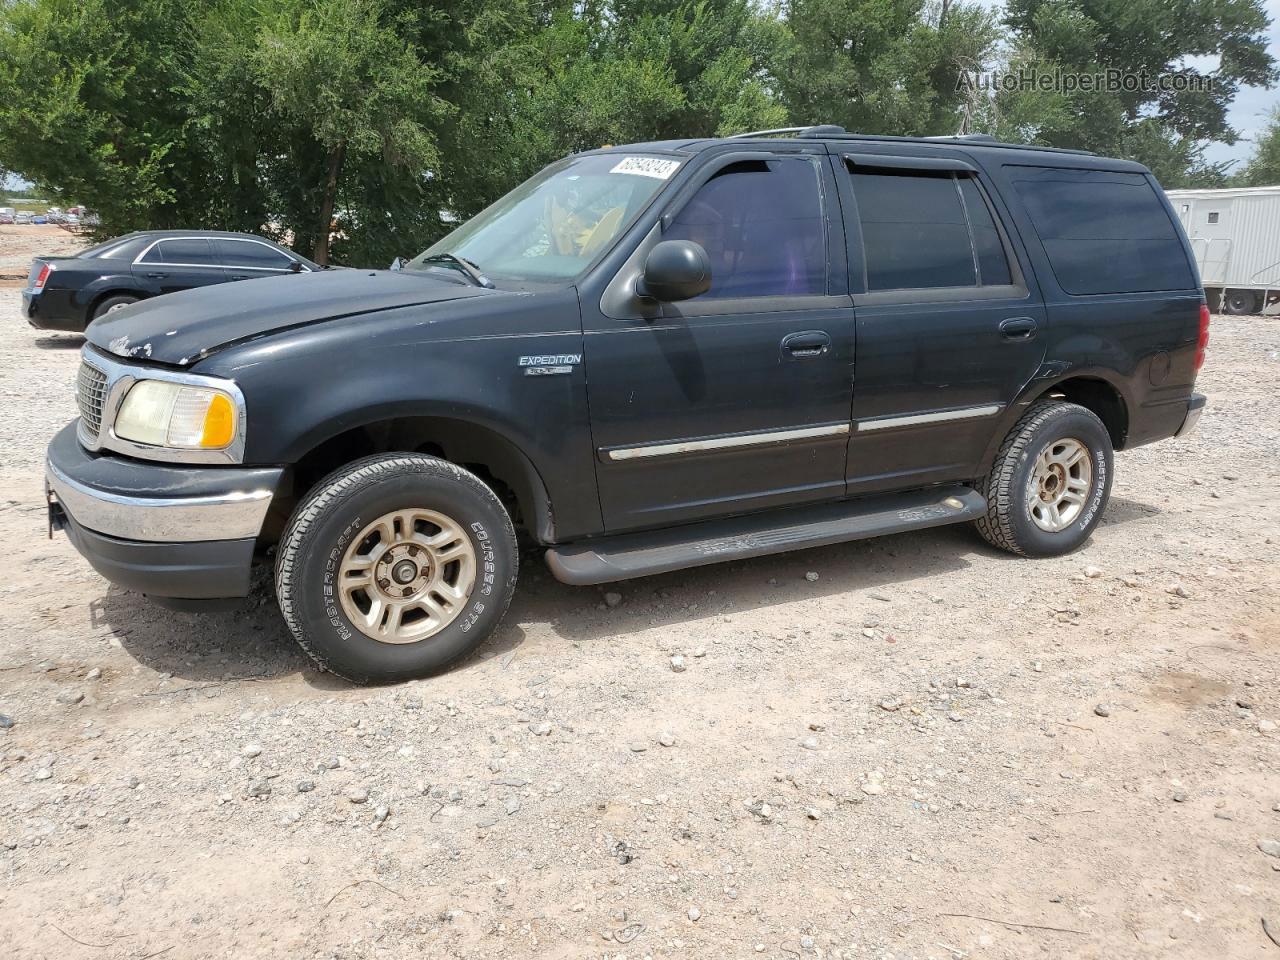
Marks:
<point>41,277</point>
<point>1203,342</point>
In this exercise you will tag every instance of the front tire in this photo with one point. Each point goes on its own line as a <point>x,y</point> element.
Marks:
<point>1049,483</point>
<point>395,566</point>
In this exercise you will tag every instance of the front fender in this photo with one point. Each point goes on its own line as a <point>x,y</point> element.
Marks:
<point>305,386</point>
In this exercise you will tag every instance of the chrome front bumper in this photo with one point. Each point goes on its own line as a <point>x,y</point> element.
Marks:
<point>149,502</point>
<point>234,515</point>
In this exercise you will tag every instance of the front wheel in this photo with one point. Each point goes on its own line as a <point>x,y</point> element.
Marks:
<point>1049,483</point>
<point>395,566</point>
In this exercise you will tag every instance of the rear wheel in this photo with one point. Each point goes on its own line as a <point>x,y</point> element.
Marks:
<point>112,304</point>
<point>1049,483</point>
<point>395,566</point>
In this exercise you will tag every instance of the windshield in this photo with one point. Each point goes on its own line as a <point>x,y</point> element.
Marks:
<point>552,226</point>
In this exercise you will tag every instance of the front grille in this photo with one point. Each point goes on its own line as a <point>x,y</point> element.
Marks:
<point>91,394</point>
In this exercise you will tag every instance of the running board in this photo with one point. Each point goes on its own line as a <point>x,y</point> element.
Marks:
<point>629,555</point>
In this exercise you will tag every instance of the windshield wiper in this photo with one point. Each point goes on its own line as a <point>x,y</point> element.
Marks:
<point>469,269</point>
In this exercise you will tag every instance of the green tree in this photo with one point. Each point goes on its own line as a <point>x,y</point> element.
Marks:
<point>1164,128</point>
<point>1263,168</point>
<point>87,106</point>
<point>341,74</point>
<point>570,77</point>
<point>882,66</point>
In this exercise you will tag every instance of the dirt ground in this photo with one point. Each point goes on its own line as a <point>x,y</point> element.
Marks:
<point>18,244</point>
<point>933,750</point>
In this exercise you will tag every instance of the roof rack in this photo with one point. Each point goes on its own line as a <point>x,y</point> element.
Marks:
<point>820,130</point>
<point>775,132</point>
<point>830,131</point>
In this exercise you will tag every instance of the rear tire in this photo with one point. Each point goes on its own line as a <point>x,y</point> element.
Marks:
<point>112,303</point>
<point>395,566</point>
<point>1049,483</point>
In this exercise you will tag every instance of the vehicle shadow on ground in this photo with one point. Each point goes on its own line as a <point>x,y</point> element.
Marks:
<point>247,643</point>
<point>884,570</point>
<point>252,642</point>
<point>73,342</point>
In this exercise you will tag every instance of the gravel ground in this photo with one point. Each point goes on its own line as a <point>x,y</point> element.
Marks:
<point>929,749</point>
<point>19,244</point>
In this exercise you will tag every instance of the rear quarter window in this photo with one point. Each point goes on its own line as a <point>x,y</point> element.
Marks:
<point>118,249</point>
<point>1103,232</point>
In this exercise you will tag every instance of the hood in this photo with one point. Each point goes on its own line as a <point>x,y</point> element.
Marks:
<point>181,328</point>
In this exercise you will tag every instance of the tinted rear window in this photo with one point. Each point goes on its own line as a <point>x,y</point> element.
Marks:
<point>1104,232</point>
<point>992,262</point>
<point>117,249</point>
<point>188,250</point>
<point>914,231</point>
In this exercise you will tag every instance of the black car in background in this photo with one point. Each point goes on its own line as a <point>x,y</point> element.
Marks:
<point>67,293</point>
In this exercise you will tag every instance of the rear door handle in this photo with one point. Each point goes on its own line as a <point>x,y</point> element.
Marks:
<point>1018,328</point>
<point>803,346</point>
<point>239,276</point>
<point>156,276</point>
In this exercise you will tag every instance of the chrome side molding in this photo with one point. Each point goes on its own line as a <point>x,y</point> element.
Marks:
<point>724,443</point>
<point>941,416</point>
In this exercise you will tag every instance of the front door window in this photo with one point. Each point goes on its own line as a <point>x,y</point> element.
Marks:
<point>762,225</point>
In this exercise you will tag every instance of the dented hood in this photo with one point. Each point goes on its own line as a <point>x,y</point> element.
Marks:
<point>181,328</point>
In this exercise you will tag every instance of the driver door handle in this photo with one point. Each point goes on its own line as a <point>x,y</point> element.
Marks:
<point>806,345</point>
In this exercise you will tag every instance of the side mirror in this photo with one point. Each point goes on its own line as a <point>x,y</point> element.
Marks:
<point>675,270</point>
<point>295,267</point>
<point>398,263</point>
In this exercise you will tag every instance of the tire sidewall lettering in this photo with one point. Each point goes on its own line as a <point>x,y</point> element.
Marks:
<point>1100,481</point>
<point>328,579</point>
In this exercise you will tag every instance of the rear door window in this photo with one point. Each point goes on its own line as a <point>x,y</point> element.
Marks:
<point>993,262</point>
<point>926,229</point>
<point>1103,232</point>
<point>192,251</point>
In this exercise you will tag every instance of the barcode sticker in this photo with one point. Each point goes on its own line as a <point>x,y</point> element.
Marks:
<point>654,167</point>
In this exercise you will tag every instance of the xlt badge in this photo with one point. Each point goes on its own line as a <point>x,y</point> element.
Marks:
<point>549,364</point>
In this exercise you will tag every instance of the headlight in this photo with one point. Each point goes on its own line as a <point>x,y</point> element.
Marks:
<point>166,414</point>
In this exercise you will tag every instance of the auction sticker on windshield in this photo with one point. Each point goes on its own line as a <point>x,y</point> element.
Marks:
<point>654,167</point>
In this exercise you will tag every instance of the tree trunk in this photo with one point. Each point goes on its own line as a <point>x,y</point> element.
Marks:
<point>321,253</point>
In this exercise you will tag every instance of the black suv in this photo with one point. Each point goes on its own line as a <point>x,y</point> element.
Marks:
<point>647,357</point>
<point>67,293</point>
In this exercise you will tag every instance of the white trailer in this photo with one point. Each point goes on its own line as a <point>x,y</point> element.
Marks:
<point>1235,235</point>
